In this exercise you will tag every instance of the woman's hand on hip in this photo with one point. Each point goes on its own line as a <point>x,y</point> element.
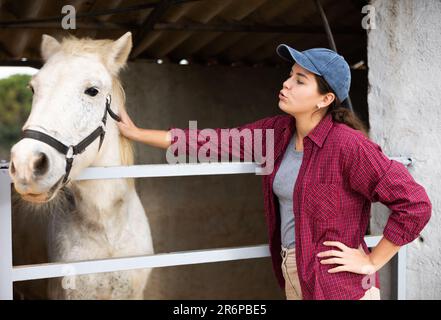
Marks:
<point>349,259</point>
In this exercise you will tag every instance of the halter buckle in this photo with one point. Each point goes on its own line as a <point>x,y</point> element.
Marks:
<point>70,152</point>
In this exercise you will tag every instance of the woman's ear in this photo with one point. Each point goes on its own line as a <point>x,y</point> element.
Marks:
<point>326,100</point>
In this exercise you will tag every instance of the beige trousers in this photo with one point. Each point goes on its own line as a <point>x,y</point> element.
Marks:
<point>292,283</point>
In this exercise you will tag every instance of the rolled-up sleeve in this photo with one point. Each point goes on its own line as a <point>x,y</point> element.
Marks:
<point>371,173</point>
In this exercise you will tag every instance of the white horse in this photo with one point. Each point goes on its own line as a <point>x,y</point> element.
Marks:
<point>89,219</point>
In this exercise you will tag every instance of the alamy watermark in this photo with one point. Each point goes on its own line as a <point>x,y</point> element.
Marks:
<point>368,21</point>
<point>368,280</point>
<point>69,20</point>
<point>217,145</point>
<point>69,280</point>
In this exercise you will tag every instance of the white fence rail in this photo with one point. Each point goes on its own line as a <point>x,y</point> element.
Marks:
<point>9,273</point>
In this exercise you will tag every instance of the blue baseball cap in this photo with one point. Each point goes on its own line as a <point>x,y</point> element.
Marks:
<point>323,62</point>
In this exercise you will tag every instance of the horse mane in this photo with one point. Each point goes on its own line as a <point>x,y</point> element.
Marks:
<point>72,45</point>
<point>126,150</point>
<point>125,145</point>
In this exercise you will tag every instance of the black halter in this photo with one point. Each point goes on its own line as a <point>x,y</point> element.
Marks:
<point>71,151</point>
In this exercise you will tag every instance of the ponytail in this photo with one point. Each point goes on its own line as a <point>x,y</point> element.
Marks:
<point>344,115</point>
<point>339,112</point>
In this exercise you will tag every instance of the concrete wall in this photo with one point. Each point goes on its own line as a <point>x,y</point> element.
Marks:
<point>405,116</point>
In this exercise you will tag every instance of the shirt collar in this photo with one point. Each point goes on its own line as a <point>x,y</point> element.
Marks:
<point>320,132</point>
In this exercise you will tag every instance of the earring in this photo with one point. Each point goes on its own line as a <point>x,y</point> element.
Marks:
<point>318,107</point>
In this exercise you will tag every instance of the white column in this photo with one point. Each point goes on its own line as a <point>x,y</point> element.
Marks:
<point>5,236</point>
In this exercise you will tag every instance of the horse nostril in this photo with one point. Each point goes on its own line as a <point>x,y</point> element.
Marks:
<point>41,165</point>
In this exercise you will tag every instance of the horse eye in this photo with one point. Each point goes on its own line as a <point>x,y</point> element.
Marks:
<point>31,87</point>
<point>91,91</point>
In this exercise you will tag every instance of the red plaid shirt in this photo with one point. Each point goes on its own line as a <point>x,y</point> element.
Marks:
<point>342,173</point>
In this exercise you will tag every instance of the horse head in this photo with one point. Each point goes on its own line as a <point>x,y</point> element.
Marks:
<point>68,121</point>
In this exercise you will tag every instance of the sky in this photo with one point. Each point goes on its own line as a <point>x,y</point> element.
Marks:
<point>7,71</point>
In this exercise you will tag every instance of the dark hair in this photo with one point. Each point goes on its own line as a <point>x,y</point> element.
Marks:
<point>339,112</point>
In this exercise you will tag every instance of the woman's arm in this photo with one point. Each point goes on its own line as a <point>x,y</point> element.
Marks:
<point>190,140</point>
<point>154,138</point>
<point>378,178</point>
<point>381,179</point>
<point>382,253</point>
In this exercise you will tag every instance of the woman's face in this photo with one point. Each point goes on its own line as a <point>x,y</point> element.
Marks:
<point>300,94</point>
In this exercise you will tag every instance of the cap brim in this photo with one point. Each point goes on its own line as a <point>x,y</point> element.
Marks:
<point>290,54</point>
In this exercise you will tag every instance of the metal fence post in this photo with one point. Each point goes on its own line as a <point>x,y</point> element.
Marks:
<point>401,273</point>
<point>6,268</point>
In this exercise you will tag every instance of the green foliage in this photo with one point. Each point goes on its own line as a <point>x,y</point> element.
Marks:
<point>15,106</point>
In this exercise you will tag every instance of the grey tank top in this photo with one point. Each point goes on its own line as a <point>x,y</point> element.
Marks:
<point>283,187</point>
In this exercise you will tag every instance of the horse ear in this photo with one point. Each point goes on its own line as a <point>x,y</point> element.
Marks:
<point>120,51</point>
<point>49,46</point>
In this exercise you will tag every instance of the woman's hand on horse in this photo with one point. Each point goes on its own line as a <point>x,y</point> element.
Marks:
<point>349,259</point>
<point>127,127</point>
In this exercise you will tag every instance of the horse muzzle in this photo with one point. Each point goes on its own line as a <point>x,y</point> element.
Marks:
<point>33,171</point>
<point>42,197</point>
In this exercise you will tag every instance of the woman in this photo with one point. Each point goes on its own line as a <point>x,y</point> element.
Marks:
<point>326,175</point>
